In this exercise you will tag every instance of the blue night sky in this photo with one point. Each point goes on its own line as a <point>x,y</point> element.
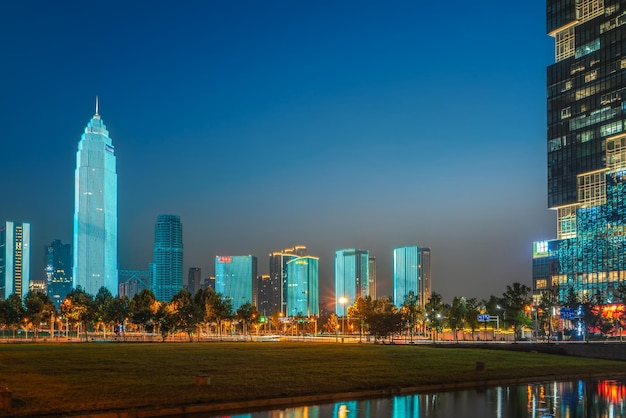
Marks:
<point>266,124</point>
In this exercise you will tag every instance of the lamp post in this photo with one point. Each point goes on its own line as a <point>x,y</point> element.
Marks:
<point>343,300</point>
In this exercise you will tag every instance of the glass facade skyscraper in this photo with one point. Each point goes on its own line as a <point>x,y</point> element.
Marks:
<point>411,274</point>
<point>586,147</point>
<point>278,274</point>
<point>351,277</point>
<point>95,210</point>
<point>234,276</point>
<point>58,271</point>
<point>303,286</point>
<point>14,259</point>
<point>166,270</point>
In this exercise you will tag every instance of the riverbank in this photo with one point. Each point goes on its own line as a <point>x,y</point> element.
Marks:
<point>160,379</point>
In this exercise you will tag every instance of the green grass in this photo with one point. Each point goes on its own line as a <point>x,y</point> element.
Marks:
<point>74,378</point>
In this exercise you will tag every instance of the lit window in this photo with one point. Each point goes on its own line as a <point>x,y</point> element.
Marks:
<point>566,113</point>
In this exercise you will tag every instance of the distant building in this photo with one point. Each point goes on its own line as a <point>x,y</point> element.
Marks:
<point>269,290</point>
<point>166,271</point>
<point>95,210</point>
<point>372,277</point>
<point>59,278</point>
<point>278,272</point>
<point>351,277</point>
<point>234,277</point>
<point>194,280</point>
<point>303,286</point>
<point>586,152</point>
<point>411,275</point>
<point>38,286</point>
<point>14,259</point>
<point>132,282</point>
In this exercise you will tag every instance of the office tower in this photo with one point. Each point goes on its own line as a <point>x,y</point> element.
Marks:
<point>303,286</point>
<point>166,270</point>
<point>372,277</point>
<point>411,274</point>
<point>351,277</point>
<point>95,210</point>
<point>269,294</point>
<point>425,284</point>
<point>14,259</point>
<point>586,93</point>
<point>58,271</point>
<point>278,271</point>
<point>194,280</point>
<point>132,282</point>
<point>234,276</point>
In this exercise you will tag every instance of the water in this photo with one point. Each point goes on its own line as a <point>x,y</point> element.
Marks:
<point>592,398</point>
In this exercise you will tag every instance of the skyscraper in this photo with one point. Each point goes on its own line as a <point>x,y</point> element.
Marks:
<point>95,210</point>
<point>14,259</point>
<point>58,271</point>
<point>234,278</point>
<point>372,277</point>
<point>586,89</point>
<point>278,272</point>
<point>411,275</point>
<point>303,286</point>
<point>166,270</point>
<point>194,280</point>
<point>351,277</point>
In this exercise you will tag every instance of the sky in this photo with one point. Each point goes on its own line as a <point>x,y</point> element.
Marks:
<point>353,124</point>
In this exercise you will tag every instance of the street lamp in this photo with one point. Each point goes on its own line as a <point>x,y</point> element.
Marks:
<point>343,300</point>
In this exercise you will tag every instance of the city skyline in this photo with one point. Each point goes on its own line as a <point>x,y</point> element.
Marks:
<point>357,125</point>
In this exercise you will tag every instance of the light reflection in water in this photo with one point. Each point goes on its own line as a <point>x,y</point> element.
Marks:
<point>604,398</point>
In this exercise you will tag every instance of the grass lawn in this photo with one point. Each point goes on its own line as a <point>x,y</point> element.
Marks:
<point>79,378</point>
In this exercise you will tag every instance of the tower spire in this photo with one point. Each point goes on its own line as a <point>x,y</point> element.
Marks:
<point>96,115</point>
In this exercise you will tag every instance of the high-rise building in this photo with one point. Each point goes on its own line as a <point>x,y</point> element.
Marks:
<point>278,272</point>
<point>411,275</point>
<point>234,277</point>
<point>58,271</point>
<point>372,276</point>
<point>351,277</point>
<point>303,286</point>
<point>95,210</point>
<point>166,270</point>
<point>132,282</point>
<point>269,290</point>
<point>14,259</point>
<point>194,280</point>
<point>586,146</point>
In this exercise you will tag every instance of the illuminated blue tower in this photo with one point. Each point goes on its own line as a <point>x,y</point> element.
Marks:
<point>411,275</point>
<point>95,210</point>
<point>166,272</point>
<point>234,278</point>
<point>303,286</point>
<point>351,277</point>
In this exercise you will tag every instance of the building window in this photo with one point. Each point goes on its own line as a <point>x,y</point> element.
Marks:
<point>588,9</point>
<point>565,44</point>
<point>541,284</point>
<point>566,222</point>
<point>566,113</point>
<point>591,189</point>
<point>590,76</point>
<point>588,48</point>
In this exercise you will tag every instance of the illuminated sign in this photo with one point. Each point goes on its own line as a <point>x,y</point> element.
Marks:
<point>224,259</point>
<point>540,249</point>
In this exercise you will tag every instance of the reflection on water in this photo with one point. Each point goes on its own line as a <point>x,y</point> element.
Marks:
<point>603,398</point>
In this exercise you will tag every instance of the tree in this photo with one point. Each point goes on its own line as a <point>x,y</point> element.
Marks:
<point>143,309</point>
<point>186,315</point>
<point>410,313</point>
<point>247,314</point>
<point>78,308</point>
<point>332,324</point>
<point>118,312</point>
<point>101,306</point>
<point>456,315</point>
<point>214,307</point>
<point>39,308</point>
<point>385,319</point>
<point>435,312</point>
<point>361,308</point>
<point>517,301</point>
<point>547,305</point>
<point>13,312</point>
<point>471,314</point>
<point>164,319</point>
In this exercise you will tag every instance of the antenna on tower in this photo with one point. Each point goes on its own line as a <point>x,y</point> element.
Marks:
<point>96,107</point>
